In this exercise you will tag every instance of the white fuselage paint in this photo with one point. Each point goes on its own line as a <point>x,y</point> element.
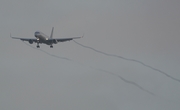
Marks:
<point>42,38</point>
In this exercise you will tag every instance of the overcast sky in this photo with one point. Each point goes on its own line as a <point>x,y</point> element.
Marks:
<point>144,30</point>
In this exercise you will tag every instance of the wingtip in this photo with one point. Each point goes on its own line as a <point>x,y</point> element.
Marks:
<point>10,35</point>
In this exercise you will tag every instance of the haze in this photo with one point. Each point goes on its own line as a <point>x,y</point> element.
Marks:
<point>144,30</point>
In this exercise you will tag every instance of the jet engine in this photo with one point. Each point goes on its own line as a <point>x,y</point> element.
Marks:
<point>55,41</point>
<point>30,41</point>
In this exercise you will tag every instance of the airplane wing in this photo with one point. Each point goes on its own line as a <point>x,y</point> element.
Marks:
<point>66,39</point>
<point>25,39</point>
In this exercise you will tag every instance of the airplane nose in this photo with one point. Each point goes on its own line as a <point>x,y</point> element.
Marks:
<point>36,34</point>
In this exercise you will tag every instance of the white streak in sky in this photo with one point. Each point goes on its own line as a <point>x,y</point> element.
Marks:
<point>123,79</point>
<point>155,69</point>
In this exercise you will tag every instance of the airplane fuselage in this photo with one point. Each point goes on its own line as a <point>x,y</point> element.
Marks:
<point>42,38</point>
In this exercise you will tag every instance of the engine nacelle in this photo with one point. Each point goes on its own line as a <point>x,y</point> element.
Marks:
<point>30,41</point>
<point>55,41</point>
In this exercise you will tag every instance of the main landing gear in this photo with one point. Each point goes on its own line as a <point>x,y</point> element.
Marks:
<point>51,46</point>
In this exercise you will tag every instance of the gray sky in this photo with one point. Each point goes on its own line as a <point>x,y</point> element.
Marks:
<point>145,30</point>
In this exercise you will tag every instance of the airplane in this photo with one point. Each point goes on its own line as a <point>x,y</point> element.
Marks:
<point>42,38</point>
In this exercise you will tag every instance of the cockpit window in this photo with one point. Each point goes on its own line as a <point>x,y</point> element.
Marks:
<point>37,32</point>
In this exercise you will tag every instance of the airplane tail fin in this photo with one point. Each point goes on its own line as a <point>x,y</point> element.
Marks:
<point>52,32</point>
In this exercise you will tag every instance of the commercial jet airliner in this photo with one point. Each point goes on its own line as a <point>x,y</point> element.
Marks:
<point>42,38</point>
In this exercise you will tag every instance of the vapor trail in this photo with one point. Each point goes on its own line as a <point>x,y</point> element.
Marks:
<point>49,53</point>
<point>127,81</point>
<point>123,79</point>
<point>155,69</point>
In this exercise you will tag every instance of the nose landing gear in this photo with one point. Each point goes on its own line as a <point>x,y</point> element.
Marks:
<point>38,45</point>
